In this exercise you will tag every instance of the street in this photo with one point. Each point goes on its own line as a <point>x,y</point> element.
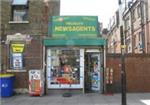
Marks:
<point>78,99</point>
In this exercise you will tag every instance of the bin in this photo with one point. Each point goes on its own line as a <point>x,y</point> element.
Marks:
<point>6,85</point>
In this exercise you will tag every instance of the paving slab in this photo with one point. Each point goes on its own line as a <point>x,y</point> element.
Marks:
<point>77,99</point>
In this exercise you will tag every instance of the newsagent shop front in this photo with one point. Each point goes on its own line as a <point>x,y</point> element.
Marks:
<point>75,54</point>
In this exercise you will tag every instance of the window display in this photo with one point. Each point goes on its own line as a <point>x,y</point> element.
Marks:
<point>65,67</point>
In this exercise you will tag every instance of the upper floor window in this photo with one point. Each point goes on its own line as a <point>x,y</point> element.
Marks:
<point>139,11</point>
<point>127,24</point>
<point>133,15</point>
<point>140,37</point>
<point>19,10</point>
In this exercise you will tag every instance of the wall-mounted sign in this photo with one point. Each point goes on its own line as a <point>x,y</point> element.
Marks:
<point>74,26</point>
<point>17,48</point>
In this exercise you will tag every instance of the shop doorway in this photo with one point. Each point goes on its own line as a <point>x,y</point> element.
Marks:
<point>92,72</point>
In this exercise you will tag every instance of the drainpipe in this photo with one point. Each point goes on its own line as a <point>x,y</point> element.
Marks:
<point>3,59</point>
<point>44,32</point>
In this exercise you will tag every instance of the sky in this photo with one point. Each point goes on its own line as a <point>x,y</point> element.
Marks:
<point>104,9</point>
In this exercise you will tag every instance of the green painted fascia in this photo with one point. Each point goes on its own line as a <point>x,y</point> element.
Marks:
<point>74,42</point>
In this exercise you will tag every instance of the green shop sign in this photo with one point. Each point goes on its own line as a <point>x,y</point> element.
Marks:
<point>74,26</point>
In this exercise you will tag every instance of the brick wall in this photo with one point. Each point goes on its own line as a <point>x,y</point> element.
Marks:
<point>137,70</point>
<point>36,17</point>
<point>37,27</point>
<point>33,60</point>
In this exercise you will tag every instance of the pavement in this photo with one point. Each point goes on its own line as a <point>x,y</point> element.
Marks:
<point>77,99</point>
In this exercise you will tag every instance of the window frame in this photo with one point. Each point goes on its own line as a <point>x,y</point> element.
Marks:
<point>63,86</point>
<point>21,7</point>
<point>10,58</point>
<point>127,23</point>
<point>138,11</point>
<point>133,15</point>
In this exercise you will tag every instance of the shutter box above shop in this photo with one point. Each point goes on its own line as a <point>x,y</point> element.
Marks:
<point>74,42</point>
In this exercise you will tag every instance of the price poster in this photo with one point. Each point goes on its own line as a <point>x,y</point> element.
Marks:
<point>17,61</point>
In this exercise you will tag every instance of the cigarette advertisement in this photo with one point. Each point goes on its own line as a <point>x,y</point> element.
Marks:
<point>17,61</point>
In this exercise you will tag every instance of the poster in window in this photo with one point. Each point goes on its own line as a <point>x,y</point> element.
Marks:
<point>65,67</point>
<point>17,61</point>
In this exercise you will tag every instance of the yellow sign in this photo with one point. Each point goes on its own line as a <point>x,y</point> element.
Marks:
<point>17,48</point>
<point>123,46</point>
<point>75,28</point>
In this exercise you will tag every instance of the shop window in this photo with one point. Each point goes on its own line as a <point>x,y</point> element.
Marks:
<point>19,10</point>
<point>65,66</point>
<point>16,56</point>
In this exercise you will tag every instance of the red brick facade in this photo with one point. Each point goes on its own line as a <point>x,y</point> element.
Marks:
<point>33,60</point>
<point>137,72</point>
<point>36,27</point>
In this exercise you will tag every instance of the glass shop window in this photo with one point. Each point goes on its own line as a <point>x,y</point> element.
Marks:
<point>65,66</point>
